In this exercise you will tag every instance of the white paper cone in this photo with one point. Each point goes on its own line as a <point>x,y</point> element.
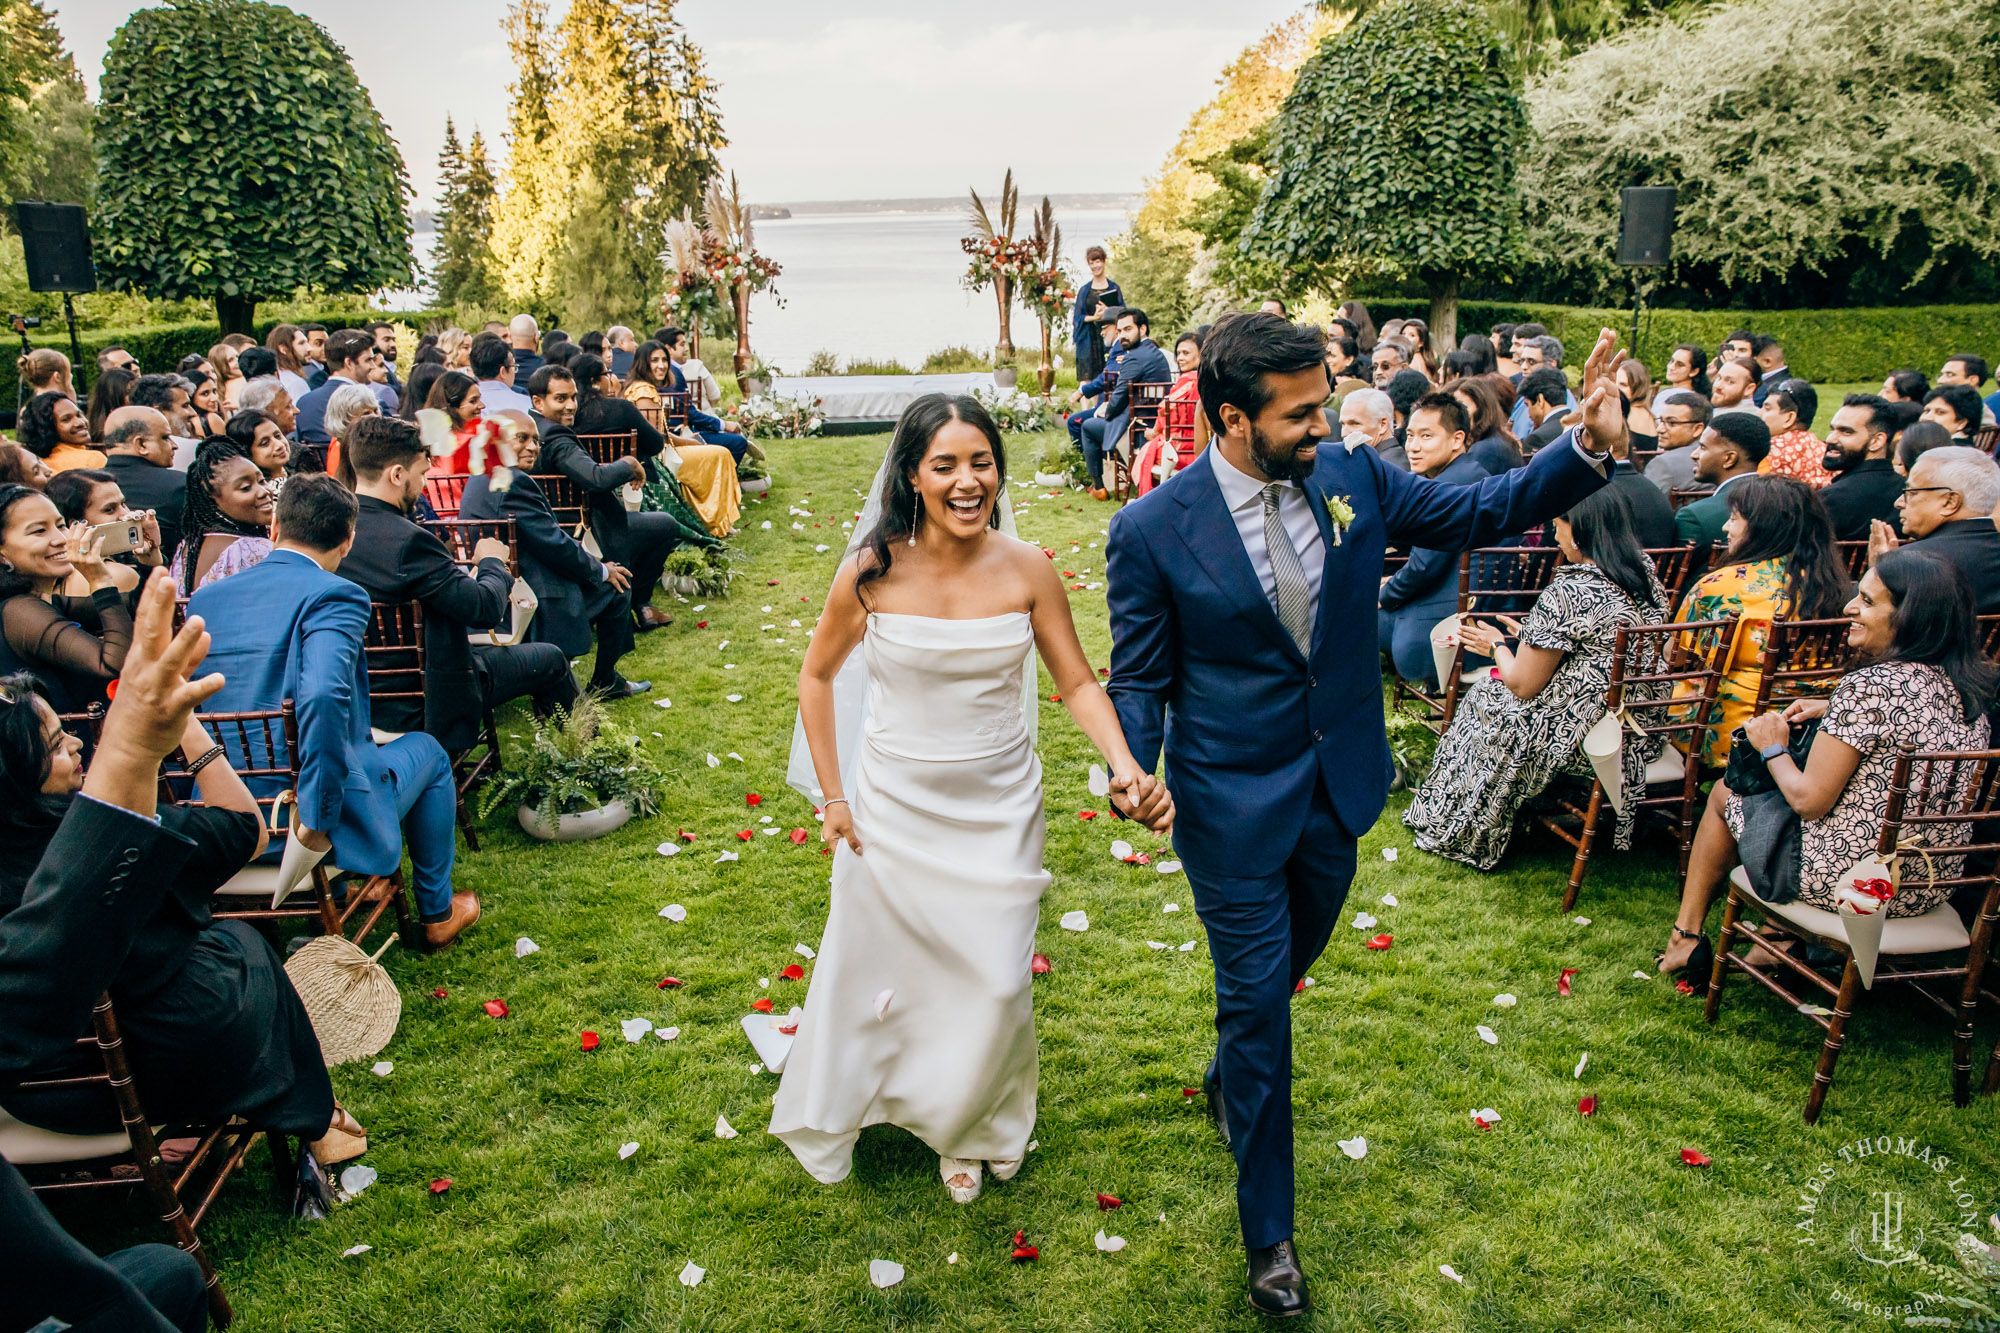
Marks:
<point>1444,647</point>
<point>1864,937</point>
<point>1604,746</point>
<point>293,868</point>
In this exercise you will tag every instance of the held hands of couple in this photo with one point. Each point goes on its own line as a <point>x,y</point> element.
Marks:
<point>1143,798</point>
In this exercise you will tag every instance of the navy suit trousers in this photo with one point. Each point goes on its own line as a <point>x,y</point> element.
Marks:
<point>1263,933</point>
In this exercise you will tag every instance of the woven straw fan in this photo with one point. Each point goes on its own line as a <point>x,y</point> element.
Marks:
<point>352,1001</point>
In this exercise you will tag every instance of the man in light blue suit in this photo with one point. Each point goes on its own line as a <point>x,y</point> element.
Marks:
<point>290,628</point>
<point>1242,596</point>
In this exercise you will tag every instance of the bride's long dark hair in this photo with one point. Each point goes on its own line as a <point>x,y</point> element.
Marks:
<point>915,429</point>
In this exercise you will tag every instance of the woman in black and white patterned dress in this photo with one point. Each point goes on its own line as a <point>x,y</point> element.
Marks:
<point>1517,730</point>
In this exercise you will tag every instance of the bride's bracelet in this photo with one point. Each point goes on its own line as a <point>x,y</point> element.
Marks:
<point>837,800</point>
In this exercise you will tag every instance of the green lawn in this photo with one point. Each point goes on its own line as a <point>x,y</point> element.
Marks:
<point>1554,1220</point>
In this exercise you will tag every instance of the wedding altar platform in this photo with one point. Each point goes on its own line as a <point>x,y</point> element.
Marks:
<point>856,404</point>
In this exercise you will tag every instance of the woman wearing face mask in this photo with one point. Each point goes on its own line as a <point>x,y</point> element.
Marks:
<point>226,527</point>
<point>74,645</point>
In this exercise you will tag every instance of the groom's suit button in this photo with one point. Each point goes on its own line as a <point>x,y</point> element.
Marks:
<point>1319,735</point>
<point>1312,682</point>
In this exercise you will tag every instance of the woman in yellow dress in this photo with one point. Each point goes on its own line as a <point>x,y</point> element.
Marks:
<point>1780,564</point>
<point>706,473</point>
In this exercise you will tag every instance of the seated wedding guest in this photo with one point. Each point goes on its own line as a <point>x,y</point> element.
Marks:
<point>224,361</point>
<point>1922,680</point>
<point>290,628</point>
<point>1650,514</point>
<point>424,375</point>
<point>648,377</point>
<point>1779,564</point>
<point>1344,365</point>
<point>1538,354</point>
<point>1177,434</point>
<point>1368,419</point>
<point>580,595</point>
<point>1687,369</point>
<point>491,362</point>
<point>1493,446</point>
<point>704,426</point>
<point>1390,357</point>
<point>1968,371</point>
<point>1947,509</point>
<point>622,345</point>
<point>115,357</point>
<point>1480,348</point>
<point>88,497</point>
<point>1142,363</point>
<point>258,436</point>
<point>1732,384</point>
<point>1730,451</point>
<point>1906,386</point>
<point>1356,313</point>
<point>1418,335</point>
<point>139,454</point>
<point>18,467</point>
<point>314,368</point>
<point>525,337</point>
<point>1425,590</point>
<point>266,394</point>
<point>1769,357</point>
<point>455,346</point>
<point>1789,410</point>
<point>289,344</point>
<point>1865,484</point>
<point>45,370</point>
<point>1537,416</point>
<point>112,391</point>
<point>1956,407</point>
<point>1681,416</point>
<point>75,645</point>
<point>1514,735</point>
<point>560,353</point>
<point>226,523</point>
<point>398,560</point>
<point>694,482</point>
<point>54,429</point>
<point>639,541</point>
<point>1915,440</point>
<point>456,394</point>
<point>1636,383</point>
<point>592,344</point>
<point>350,403</point>
<point>1524,346</point>
<point>350,359</point>
<point>172,396</point>
<point>204,403</point>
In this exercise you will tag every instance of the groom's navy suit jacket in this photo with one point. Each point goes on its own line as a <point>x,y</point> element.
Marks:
<point>1201,664</point>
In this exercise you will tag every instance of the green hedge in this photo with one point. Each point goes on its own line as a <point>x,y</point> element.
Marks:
<point>1829,346</point>
<point>160,347</point>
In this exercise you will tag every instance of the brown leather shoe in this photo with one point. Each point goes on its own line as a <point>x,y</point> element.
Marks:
<point>1100,494</point>
<point>464,911</point>
<point>650,618</point>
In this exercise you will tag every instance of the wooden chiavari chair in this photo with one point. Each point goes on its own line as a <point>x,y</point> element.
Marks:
<point>1989,637</point>
<point>445,491</point>
<point>1144,405</point>
<point>567,499</point>
<point>605,449</point>
<point>1854,558</point>
<point>1687,495</point>
<point>393,650</point>
<point>1500,580</point>
<point>1803,659</point>
<point>1677,567</point>
<point>461,535</point>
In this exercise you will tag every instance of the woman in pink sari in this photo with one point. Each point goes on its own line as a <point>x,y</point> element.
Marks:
<point>1179,432</point>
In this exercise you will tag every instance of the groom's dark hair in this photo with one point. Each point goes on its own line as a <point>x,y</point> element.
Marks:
<point>1242,349</point>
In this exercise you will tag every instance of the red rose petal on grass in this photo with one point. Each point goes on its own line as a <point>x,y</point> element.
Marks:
<point>793,973</point>
<point>1047,552</point>
<point>1300,988</point>
<point>1684,986</point>
<point>770,583</point>
<point>670,983</point>
<point>1380,942</point>
<point>1076,587</point>
<point>1086,814</point>
<point>762,1004</point>
<point>441,1185</point>
<point>588,1041</point>
<point>1588,1106</point>
<point>1562,982</point>
<point>1190,1092</point>
<point>1055,698</point>
<point>1069,573</point>
<point>745,834</point>
<point>497,1008</point>
<point>1040,964</point>
<point>701,624</point>
<point>798,836</point>
<point>1104,672</point>
<point>1024,1252</point>
<point>1482,1122</point>
<point>439,993</point>
<point>1693,1158</point>
<point>752,799</point>
<point>1106,1202</point>
<point>686,836</point>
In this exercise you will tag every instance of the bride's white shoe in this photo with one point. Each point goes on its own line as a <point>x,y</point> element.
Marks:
<point>951,1168</point>
<point>1005,1170</point>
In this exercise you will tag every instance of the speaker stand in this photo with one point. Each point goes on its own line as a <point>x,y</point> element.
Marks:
<point>75,345</point>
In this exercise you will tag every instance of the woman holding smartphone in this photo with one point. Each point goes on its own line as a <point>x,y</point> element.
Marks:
<point>92,497</point>
<point>74,645</point>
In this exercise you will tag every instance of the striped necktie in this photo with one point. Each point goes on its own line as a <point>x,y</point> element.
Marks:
<point>1292,595</point>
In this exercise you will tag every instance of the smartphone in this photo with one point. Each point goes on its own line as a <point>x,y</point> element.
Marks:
<point>119,537</point>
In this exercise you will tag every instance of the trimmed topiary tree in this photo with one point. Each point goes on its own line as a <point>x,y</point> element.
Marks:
<point>239,158</point>
<point>1394,156</point>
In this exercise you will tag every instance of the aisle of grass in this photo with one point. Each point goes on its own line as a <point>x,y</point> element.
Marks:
<point>1554,1221</point>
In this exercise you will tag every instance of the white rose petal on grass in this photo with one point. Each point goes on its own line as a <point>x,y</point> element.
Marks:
<point>726,856</point>
<point>1389,900</point>
<point>763,983</point>
<point>1077,920</point>
<point>723,1129</point>
<point>662,703</point>
<point>381,1068</point>
<point>1487,1035</point>
<point>356,1179</point>
<point>1642,976</point>
<point>1451,1273</point>
<point>1170,907</point>
<point>1307,982</point>
<point>1158,944</point>
<point>1583,921</point>
<point>822,547</point>
<point>525,946</point>
<point>951,1258</point>
<point>770,832</point>
<point>635,1028</point>
<point>1388,853</point>
<point>804,951</point>
<point>765,525</point>
<point>1168,867</point>
<point>1364,921</point>
<point>1356,1147</point>
<point>720,646</point>
<point>1816,1010</point>
<point>1109,1244</point>
<point>354,1251</point>
<point>884,1272</point>
<point>1120,850</point>
<point>667,1034</point>
<point>1580,1064</point>
<point>668,849</point>
<point>1504,1001</point>
<point>674,912</point>
<point>702,607</point>
<point>734,698</point>
<point>1485,1115</point>
<point>737,757</point>
<point>1188,947</point>
<point>882,1004</point>
<point>1100,781</point>
<point>713,762</point>
<point>625,1151</point>
<point>692,1275</point>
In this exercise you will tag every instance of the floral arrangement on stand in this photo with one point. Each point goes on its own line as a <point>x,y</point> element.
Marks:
<point>1016,412</point>
<point>780,416</point>
<point>1046,290</point>
<point>998,260</point>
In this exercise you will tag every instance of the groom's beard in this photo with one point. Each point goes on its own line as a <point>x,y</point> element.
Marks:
<point>1285,465</point>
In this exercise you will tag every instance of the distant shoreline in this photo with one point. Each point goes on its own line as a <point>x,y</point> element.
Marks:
<point>952,204</point>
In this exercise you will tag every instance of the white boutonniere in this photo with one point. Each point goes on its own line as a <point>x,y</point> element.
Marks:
<point>1341,513</point>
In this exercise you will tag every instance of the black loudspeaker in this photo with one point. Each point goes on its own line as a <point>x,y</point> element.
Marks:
<point>56,239</point>
<point>1646,225</point>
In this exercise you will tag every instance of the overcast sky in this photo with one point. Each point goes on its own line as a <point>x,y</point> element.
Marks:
<point>866,99</point>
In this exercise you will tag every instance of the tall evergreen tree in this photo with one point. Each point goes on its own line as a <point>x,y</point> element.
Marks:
<point>533,213</point>
<point>45,125</point>
<point>463,269</point>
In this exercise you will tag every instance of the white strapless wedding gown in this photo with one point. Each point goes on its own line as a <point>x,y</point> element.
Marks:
<point>938,912</point>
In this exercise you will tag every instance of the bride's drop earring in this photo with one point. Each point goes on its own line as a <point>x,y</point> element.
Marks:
<point>916,521</point>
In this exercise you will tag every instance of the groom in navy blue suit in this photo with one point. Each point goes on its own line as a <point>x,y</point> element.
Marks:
<point>1243,608</point>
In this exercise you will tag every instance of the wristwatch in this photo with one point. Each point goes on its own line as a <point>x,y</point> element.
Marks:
<point>1770,752</point>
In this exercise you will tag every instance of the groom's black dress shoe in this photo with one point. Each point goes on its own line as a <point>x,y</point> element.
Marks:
<point>1211,1088</point>
<point>1277,1283</point>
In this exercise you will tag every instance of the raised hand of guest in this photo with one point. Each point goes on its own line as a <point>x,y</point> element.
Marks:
<point>157,693</point>
<point>1881,540</point>
<point>1599,407</point>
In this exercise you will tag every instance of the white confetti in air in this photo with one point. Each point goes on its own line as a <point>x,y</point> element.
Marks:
<point>1388,853</point>
<point>713,762</point>
<point>726,856</point>
<point>635,1028</point>
<point>882,1004</point>
<point>692,1275</point>
<point>1583,921</point>
<point>1364,921</point>
<point>382,1068</point>
<point>355,1251</point>
<point>626,1150</point>
<point>525,946</point>
<point>1120,850</point>
<point>1487,1035</point>
<point>1389,900</point>
<point>668,849</point>
<point>1504,1001</point>
<point>1451,1273</point>
<point>804,951</point>
<point>1158,944</point>
<point>1100,781</point>
<point>1188,947</point>
<point>1077,920</point>
<point>357,1178</point>
<point>1170,907</point>
<point>674,912</point>
<point>1109,1244</point>
<point>884,1272</point>
<point>1580,1064</point>
<point>723,1129</point>
<point>1168,867</point>
<point>1356,1147</point>
<point>667,1034</point>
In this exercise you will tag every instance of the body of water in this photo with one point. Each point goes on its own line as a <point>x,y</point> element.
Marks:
<point>885,286</point>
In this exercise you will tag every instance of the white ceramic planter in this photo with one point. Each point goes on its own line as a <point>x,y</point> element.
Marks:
<point>579,827</point>
<point>679,584</point>
<point>1006,377</point>
<point>756,485</point>
<point>1051,479</point>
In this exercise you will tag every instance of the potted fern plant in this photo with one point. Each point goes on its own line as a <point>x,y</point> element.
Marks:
<point>685,567</point>
<point>581,777</point>
<point>1057,463</point>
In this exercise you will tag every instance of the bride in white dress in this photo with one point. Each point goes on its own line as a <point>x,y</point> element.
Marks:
<point>920,1012</point>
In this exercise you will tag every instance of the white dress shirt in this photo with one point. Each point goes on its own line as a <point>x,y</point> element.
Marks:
<point>1244,495</point>
<point>500,396</point>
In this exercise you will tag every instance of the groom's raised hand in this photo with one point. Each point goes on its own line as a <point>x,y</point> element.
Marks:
<point>1145,799</point>
<point>1599,408</point>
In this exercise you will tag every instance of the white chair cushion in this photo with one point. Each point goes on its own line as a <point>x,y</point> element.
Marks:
<point>1936,931</point>
<point>24,1145</point>
<point>1671,766</point>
